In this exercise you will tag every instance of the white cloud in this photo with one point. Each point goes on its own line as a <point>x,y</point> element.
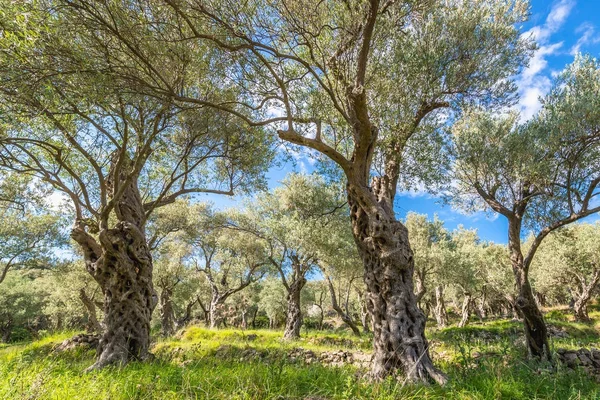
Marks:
<point>533,85</point>
<point>418,191</point>
<point>588,36</point>
<point>559,14</point>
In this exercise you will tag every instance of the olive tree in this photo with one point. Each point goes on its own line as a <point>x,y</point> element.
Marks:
<point>21,304</point>
<point>73,119</point>
<point>26,240</point>
<point>569,259</point>
<point>230,260</point>
<point>74,298</point>
<point>464,268</point>
<point>541,175</point>
<point>426,238</point>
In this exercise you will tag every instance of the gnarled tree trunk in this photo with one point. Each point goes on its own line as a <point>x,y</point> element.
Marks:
<point>441,316</point>
<point>466,307</point>
<point>92,326</point>
<point>580,305</point>
<point>420,288</point>
<point>481,307</point>
<point>167,314</point>
<point>121,263</point>
<point>293,320</point>
<point>244,322</point>
<point>187,315</point>
<point>6,326</point>
<point>365,318</point>
<point>214,312</point>
<point>536,333</point>
<point>341,313</point>
<point>398,324</point>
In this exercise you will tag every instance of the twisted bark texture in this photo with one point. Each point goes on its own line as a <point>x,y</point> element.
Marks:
<point>398,324</point>
<point>121,263</point>
<point>167,314</point>
<point>293,321</point>
<point>93,325</point>
<point>441,316</point>
<point>466,308</point>
<point>536,332</point>
<point>584,296</point>
<point>344,315</point>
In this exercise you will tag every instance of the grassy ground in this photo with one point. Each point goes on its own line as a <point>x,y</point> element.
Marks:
<point>484,361</point>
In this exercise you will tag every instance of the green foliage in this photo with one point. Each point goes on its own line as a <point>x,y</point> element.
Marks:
<point>28,240</point>
<point>567,262</point>
<point>21,306</point>
<point>64,284</point>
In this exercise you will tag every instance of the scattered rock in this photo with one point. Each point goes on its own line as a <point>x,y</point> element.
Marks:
<point>82,340</point>
<point>557,332</point>
<point>336,358</point>
<point>587,359</point>
<point>252,337</point>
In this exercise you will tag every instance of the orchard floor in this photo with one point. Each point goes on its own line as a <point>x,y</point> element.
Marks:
<point>483,360</point>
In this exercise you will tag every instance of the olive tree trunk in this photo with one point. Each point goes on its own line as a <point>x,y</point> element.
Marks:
<point>93,325</point>
<point>121,263</point>
<point>536,332</point>
<point>398,324</point>
<point>365,317</point>
<point>481,307</point>
<point>6,326</point>
<point>293,319</point>
<point>214,314</point>
<point>466,308</point>
<point>341,313</point>
<point>584,295</point>
<point>187,314</point>
<point>167,314</point>
<point>441,316</point>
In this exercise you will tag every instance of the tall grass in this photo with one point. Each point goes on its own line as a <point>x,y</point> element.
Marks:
<point>484,362</point>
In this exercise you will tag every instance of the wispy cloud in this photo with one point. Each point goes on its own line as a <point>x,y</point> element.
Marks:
<point>588,36</point>
<point>532,84</point>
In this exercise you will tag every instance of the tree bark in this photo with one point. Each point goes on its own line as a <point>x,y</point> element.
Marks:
<point>536,332</point>
<point>398,324</point>
<point>580,305</point>
<point>365,318</point>
<point>187,315</point>
<point>336,307</point>
<point>420,288</point>
<point>214,312</point>
<point>92,326</point>
<point>441,316</point>
<point>254,314</point>
<point>481,307</point>
<point>121,263</point>
<point>6,328</point>
<point>167,314</point>
<point>465,310</point>
<point>205,311</point>
<point>293,320</point>
<point>244,312</point>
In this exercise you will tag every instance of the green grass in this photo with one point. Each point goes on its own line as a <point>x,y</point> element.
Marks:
<point>484,361</point>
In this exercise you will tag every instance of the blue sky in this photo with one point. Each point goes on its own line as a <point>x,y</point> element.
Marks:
<point>561,28</point>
